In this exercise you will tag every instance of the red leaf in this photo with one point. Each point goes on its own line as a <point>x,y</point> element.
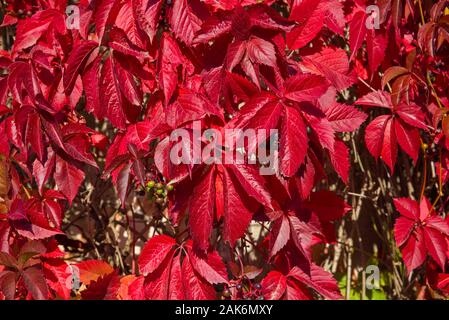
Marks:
<point>305,87</point>
<point>8,260</point>
<point>436,245</point>
<point>128,86</point>
<point>357,32</point>
<point>327,205</point>
<point>376,44</point>
<point>212,28</point>
<point>166,283</point>
<point>195,287</point>
<point>344,118</point>
<point>57,273</point>
<point>34,135</point>
<point>418,233</point>
<point>261,51</point>
<point>34,280</point>
<point>333,64</point>
<point>376,99</point>
<point>43,172</point>
<point>319,280</point>
<point>414,251</point>
<point>110,94</point>
<point>407,207</point>
<point>340,160</point>
<point>209,266</point>
<point>437,223</point>
<point>374,135</point>
<point>408,138</point>
<point>402,230</point>
<point>119,38</point>
<point>33,225</point>
<point>8,284</point>
<point>91,85</point>
<point>156,250</point>
<point>42,23</point>
<point>252,182</point>
<point>104,288</point>
<point>412,115</point>
<point>202,207</point>
<point>135,289</point>
<point>184,22</point>
<point>102,15</point>
<point>389,150</point>
<point>280,234</point>
<point>122,183</point>
<point>177,289</point>
<point>76,63</point>
<point>170,59</point>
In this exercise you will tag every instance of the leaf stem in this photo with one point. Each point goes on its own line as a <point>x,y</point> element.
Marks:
<point>434,92</point>
<point>440,181</point>
<point>424,182</point>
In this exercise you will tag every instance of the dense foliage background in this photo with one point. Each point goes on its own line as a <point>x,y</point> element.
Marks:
<point>91,207</point>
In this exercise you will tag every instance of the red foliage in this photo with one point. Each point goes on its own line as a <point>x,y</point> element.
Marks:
<point>147,68</point>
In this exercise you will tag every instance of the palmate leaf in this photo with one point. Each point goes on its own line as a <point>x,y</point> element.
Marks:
<point>296,285</point>
<point>333,64</point>
<point>45,23</point>
<point>220,185</point>
<point>385,132</point>
<point>91,270</point>
<point>105,288</point>
<point>76,62</point>
<point>154,253</point>
<point>56,273</point>
<point>172,276</point>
